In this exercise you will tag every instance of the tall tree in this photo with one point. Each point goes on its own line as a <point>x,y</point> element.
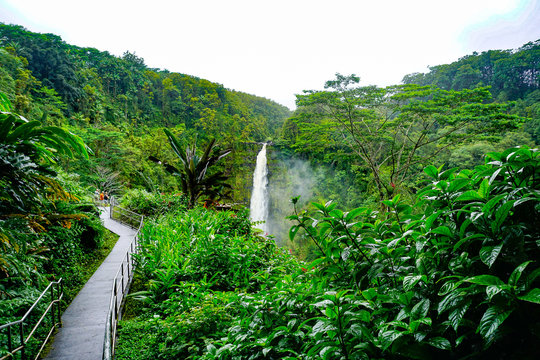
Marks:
<point>397,129</point>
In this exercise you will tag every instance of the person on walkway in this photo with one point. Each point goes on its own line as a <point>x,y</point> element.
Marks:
<point>106,197</point>
<point>101,197</point>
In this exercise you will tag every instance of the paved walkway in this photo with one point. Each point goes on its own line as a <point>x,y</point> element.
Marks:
<point>83,323</point>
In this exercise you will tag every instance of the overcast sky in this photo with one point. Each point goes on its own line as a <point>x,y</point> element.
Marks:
<point>277,48</point>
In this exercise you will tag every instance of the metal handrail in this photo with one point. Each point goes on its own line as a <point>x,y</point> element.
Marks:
<point>55,322</point>
<point>120,287</point>
<point>132,216</point>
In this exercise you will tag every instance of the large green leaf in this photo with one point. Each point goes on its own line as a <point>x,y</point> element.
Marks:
<point>292,232</point>
<point>454,298</point>
<point>500,215</point>
<point>440,343</point>
<point>432,171</point>
<point>516,274</point>
<point>532,296</point>
<point>485,280</point>
<point>7,121</point>
<point>428,223</point>
<point>458,184</point>
<point>469,196</point>
<point>483,191</point>
<point>354,213</point>
<point>5,104</point>
<point>410,281</point>
<point>421,309</point>
<point>488,254</point>
<point>457,314</point>
<point>491,320</point>
<point>386,338</point>
<point>470,238</point>
<point>443,230</point>
<point>491,203</point>
<point>23,129</point>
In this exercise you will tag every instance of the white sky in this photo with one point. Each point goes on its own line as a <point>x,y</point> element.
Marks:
<point>277,48</point>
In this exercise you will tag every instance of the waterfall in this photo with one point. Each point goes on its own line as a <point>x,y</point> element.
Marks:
<point>258,208</point>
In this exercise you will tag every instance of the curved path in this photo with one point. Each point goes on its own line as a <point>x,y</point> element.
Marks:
<point>82,333</point>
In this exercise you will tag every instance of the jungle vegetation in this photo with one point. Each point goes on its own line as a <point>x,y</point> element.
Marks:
<point>418,237</point>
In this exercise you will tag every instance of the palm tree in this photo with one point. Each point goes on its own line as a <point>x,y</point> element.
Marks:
<point>193,170</point>
<point>27,150</point>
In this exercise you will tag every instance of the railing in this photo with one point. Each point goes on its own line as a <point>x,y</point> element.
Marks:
<point>125,216</point>
<point>120,288</point>
<point>23,339</point>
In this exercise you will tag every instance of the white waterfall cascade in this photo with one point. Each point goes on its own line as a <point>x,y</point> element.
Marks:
<point>258,209</point>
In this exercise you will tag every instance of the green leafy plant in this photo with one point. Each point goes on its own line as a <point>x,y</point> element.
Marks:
<point>194,177</point>
<point>152,204</point>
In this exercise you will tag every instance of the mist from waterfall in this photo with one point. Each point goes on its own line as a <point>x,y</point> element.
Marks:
<point>258,209</point>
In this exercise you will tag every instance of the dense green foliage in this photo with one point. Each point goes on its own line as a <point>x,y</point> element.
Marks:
<point>455,276</point>
<point>192,266</point>
<point>510,74</point>
<point>397,130</point>
<point>445,267</point>
<point>367,136</point>
<point>152,204</point>
<point>119,106</point>
<point>46,232</point>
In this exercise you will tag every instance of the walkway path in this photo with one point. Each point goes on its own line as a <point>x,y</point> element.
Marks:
<point>83,323</point>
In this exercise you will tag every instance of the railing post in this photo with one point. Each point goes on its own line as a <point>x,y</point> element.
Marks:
<point>21,335</point>
<point>59,288</point>
<point>61,291</point>
<point>52,307</point>
<point>122,278</point>
<point>115,297</point>
<point>128,269</point>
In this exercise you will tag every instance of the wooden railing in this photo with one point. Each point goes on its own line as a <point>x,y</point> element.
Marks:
<point>121,283</point>
<point>17,344</point>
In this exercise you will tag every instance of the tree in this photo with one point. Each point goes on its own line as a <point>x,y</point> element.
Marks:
<point>193,171</point>
<point>27,149</point>
<point>397,129</point>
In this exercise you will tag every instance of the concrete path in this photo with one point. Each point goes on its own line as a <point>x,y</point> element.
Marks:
<point>82,333</point>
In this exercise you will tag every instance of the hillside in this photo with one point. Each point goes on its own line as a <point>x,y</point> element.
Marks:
<point>512,75</point>
<point>118,105</point>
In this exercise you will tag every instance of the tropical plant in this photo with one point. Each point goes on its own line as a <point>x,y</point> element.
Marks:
<point>151,203</point>
<point>193,173</point>
<point>27,149</point>
<point>456,272</point>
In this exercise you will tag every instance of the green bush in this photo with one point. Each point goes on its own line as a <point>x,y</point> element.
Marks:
<point>61,243</point>
<point>152,204</point>
<point>454,276</point>
<point>195,264</point>
<point>203,245</point>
